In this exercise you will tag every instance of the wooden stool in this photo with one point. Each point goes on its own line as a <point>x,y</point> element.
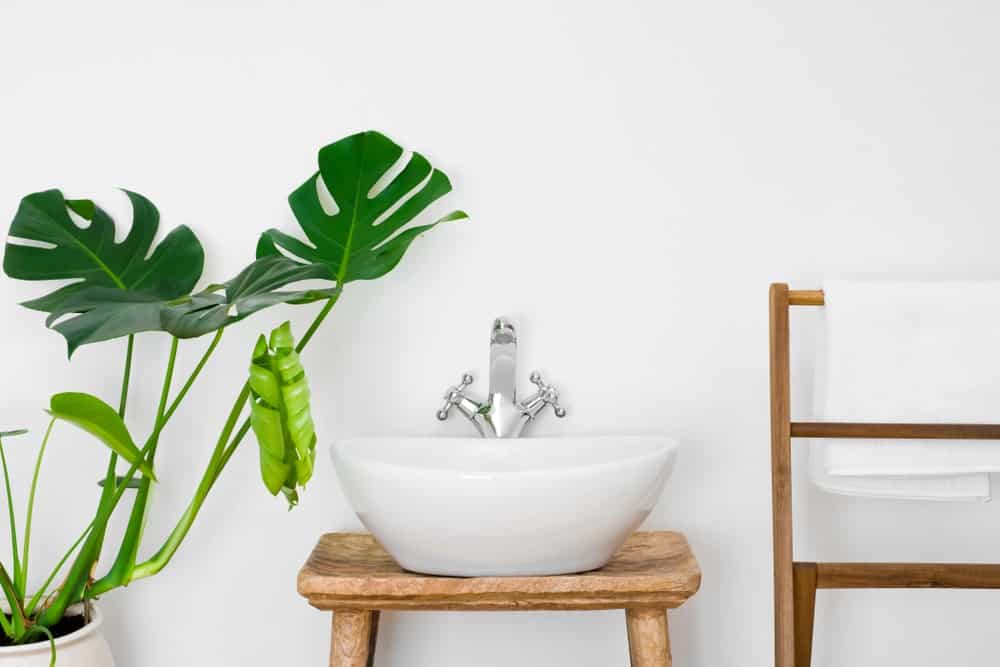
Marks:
<point>351,575</point>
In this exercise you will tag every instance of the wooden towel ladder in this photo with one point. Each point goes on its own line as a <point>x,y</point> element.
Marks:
<point>795,583</point>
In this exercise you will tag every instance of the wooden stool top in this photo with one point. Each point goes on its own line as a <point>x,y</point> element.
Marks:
<point>352,571</point>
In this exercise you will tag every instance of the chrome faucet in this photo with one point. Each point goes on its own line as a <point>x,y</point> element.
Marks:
<point>500,415</point>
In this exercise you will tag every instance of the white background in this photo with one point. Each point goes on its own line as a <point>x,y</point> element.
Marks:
<point>637,173</point>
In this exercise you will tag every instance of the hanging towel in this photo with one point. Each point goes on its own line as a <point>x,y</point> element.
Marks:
<point>909,352</point>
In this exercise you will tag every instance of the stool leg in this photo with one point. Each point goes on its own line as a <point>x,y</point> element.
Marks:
<point>648,637</point>
<point>352,643</point>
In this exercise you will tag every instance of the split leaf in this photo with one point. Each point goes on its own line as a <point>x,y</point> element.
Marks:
<point>361,236</point>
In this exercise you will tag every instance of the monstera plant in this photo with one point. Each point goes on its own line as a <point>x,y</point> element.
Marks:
<point>355,213</point>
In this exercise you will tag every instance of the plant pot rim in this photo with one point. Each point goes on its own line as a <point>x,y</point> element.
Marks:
<point>96,621</point>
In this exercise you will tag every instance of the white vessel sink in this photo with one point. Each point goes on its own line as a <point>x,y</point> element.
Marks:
<point>503,507</point>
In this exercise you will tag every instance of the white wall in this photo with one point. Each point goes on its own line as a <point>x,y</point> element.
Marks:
<point>638,172</point>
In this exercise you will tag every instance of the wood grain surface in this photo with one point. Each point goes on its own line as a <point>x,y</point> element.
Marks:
<point>648,638</point>
<point>352,641</point>
<point>352,571</point>
<point>781,478</point>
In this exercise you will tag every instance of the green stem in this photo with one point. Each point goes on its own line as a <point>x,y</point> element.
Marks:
<point>10,511</point>
<point>119,492</point>
<point>163,555</point>
<point>224,449</point>
<point>6,626</point>
<point>40,593</point>
<point>327,307</point>
<point>111,478</point>
<point>126,376</point>
<point>194,375</point>
<point>107,582</point>
<point>129,549</point>
<point>22,583</point>
<point>233,445</point>
<point>79,573</point>
<point>17,619</point>
<point>36,630</point>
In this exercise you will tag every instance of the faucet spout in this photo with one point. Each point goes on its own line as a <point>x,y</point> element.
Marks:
<point>500,415</point>
<point>503,370</point>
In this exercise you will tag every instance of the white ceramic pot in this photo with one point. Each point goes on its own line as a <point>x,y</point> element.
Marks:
<point>86,647</point>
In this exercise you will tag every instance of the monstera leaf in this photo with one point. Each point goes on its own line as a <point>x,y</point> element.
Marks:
<point>360,234</point>
<point>257,287</point>
<point>103,271</point>
<point>280,414</point>
<point>100,313</point>
<point>89,255</point>
<point>119,291</point>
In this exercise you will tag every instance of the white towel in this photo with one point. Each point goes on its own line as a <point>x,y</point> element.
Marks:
<point>909,352</point>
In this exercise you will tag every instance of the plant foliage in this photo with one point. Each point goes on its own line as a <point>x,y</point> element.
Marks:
<point>280,415</point>
<point>354,211</point>
<point>87,253</point>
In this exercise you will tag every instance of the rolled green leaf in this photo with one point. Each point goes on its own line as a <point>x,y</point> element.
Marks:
<point>102,421</point>
<point>280,416</point>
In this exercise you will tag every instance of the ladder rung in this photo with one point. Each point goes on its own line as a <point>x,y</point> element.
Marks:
<point>905,431</point>
<point>907,575</point>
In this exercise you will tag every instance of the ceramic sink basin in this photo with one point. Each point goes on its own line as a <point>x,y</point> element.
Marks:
<point>503,507</point>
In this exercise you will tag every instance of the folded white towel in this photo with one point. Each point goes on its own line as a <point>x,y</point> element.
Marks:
<point>909,352</point>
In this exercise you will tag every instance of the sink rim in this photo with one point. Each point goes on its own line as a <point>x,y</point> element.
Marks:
<point>342,449</point>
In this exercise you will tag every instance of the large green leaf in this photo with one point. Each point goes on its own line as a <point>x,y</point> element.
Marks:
<point>89,255</point>
<point>99,313</point>
<point>100,420</point>
<point>280,414</point>
<point>362,235</point>
<point>258,286</point>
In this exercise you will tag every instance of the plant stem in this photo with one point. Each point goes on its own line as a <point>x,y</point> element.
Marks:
<point>42,630</point>
<point>224,449</point>
<point>327,307</point>
<point>233,445</point>
<point>129,549</point>
<point>126,376</point>
<point>79,573</point>
<point>55,571</point>
<point>5,625</point>
<point>17,620</point>
<point>119,491</point>
<point>22,583</point>
<point>163,555</point>
<point>109,582</point>
<point>10,512</point>
<point>194,375</point>
<point>111,478</point>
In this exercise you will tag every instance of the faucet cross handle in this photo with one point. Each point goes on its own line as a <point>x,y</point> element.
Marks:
<point>454,396</point>
<point>547,394</point>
